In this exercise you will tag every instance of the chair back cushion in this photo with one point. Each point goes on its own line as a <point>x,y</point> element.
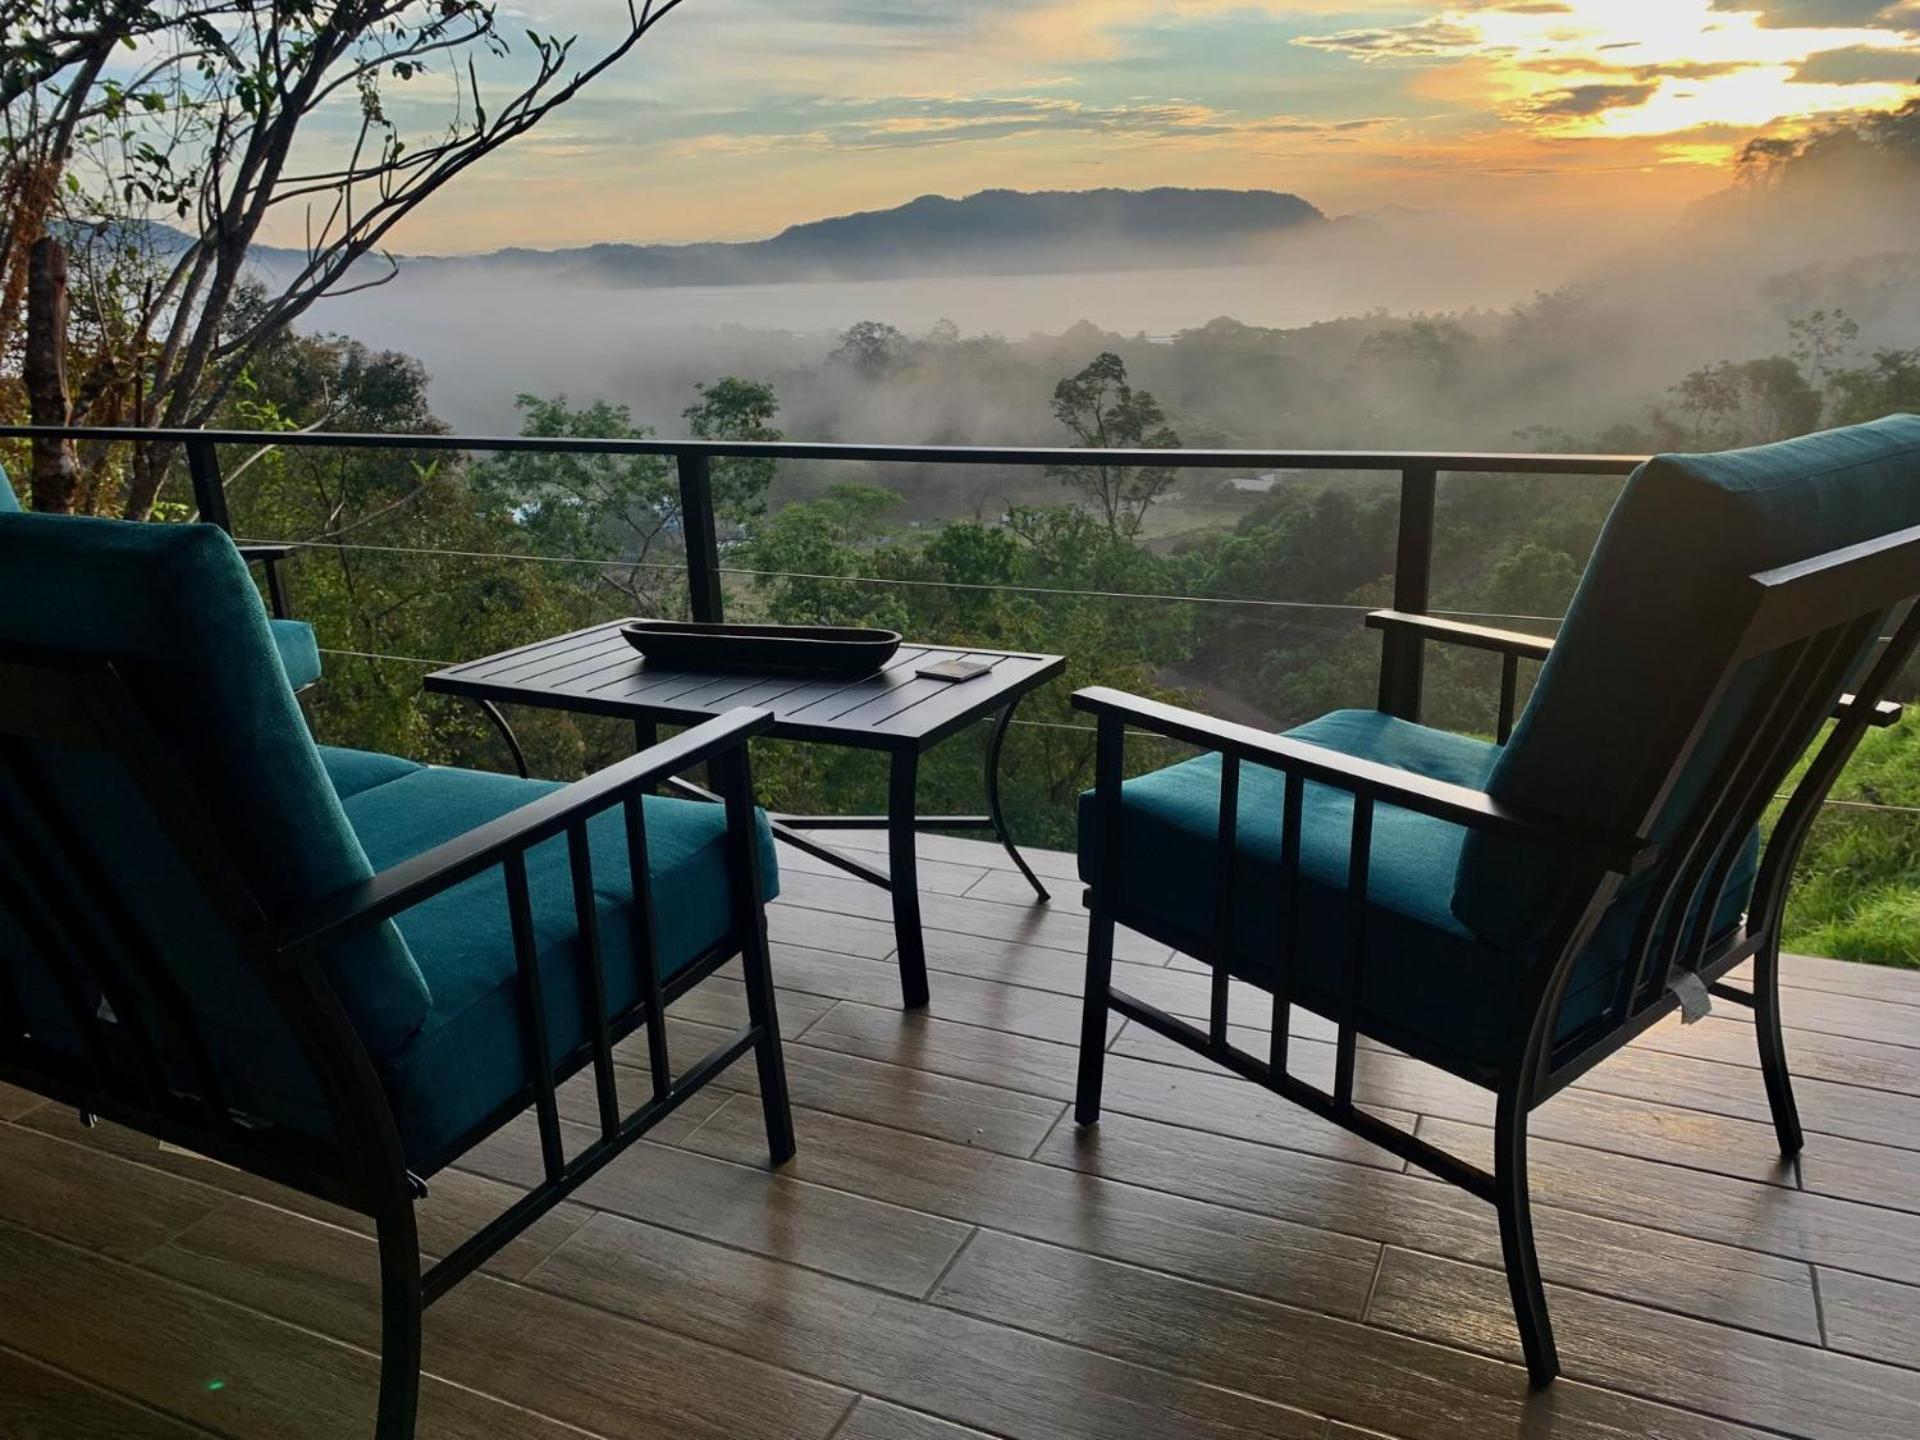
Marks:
<point>9,502</point>
<point>1653,626</point>
<point>173,609</point>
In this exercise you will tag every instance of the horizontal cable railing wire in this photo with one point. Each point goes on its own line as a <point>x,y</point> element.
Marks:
<point>420,660</point>
<point>1164,597</point>
<point>1343,607</point>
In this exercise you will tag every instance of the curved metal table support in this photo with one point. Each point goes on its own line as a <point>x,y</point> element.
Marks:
<point>1001,723</point>
<point>492,712</point>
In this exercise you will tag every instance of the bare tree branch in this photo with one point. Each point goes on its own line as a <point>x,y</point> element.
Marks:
<point>203,128</point>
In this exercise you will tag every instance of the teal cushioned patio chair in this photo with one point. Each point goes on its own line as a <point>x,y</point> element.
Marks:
<point>336,969</point>
<point>1513,913</point>
<point>294,640</point>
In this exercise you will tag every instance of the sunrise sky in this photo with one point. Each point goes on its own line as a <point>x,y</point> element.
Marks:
<point>737,117</point>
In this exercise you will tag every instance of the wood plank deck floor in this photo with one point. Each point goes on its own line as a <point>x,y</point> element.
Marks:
<point>948,1257</point>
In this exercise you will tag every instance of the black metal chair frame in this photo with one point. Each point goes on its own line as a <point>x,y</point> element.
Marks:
<point>270,558</point>
<point>74,915</point>
<point>1812,621</point>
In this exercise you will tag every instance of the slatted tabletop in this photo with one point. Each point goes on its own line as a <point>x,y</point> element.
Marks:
<point>597,671</point>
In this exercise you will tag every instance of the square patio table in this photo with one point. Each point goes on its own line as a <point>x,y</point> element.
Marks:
<point>895,711</point>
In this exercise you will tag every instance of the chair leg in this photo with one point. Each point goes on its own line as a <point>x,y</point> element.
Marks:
<point>1093,1019</point>
<point>775,1108</point>
<point>1773,1048</point>
<point>400,1306</point>
<point>757,970</point>
<point>1516,1241</point>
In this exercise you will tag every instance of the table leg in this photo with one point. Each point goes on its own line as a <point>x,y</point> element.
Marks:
<point>1000,830</point>
<point>904,870</point>
<point>492,712</point>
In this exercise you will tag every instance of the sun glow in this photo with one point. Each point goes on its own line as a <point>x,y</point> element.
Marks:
<point>1747,98</point>
<point>1640,68</point>
<point>1706,67</point>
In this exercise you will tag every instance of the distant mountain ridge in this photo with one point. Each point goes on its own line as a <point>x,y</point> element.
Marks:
<point>991,232</point>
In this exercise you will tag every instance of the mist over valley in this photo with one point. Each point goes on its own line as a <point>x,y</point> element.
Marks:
<point>1035,285</point>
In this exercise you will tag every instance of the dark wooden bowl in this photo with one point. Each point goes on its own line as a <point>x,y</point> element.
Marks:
<point>831,651</point>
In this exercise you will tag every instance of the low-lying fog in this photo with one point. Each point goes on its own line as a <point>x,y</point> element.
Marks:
<point>485,339</point>
<point>1666,296</point>
<point>486,333</point>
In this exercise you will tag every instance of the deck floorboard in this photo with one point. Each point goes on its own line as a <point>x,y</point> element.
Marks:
<point>949,1258</point>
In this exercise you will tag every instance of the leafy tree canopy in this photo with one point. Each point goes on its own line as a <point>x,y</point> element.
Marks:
<point>1103,411</point>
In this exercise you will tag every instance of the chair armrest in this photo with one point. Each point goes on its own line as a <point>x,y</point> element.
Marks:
<point>1512,646</point>
<point>399,887</point>
<point>263,554</point>
<point>1537,647</point>
<point>1459,804</point>
<point>1455,632</point>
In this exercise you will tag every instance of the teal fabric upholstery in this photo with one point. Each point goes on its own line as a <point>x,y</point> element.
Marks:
<point>298,649</point>
<point>468,1060</point>
<point>1650,630</point>
<point>354,771</point>
<point>173,608</point>
<point>1430,986</point>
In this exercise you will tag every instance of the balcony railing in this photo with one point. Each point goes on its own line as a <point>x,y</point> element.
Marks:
<point>1418,471</point>
<point>1402,666</point>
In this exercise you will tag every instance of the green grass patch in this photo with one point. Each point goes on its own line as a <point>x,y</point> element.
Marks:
<point>1857,894</point>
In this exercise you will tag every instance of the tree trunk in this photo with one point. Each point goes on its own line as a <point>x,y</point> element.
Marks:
<point>26,194</point>
<point>56,473</point>
<point>147,474</point>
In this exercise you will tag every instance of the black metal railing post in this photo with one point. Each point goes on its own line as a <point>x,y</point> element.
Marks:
<point>209,491</point>
<point>701,536</point>
<point>1403,658</point>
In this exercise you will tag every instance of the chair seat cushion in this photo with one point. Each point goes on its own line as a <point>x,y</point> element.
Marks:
<point>466,1066</point>
<point>355,771</point>
<point>1429,985</point>
<point>299,651</point>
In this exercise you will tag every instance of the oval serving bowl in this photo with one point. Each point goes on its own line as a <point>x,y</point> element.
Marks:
<point>841,652</point>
